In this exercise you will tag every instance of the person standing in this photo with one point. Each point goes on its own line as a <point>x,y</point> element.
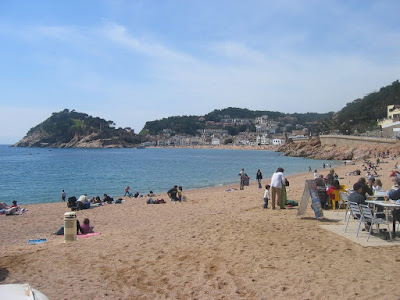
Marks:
<point>276,187</point>
<point>259,177</point>
<point>63,196</point>
<point>266,196</point>
<point>243,176</point>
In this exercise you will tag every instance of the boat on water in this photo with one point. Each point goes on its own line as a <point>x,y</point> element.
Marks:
<point>141,147</point>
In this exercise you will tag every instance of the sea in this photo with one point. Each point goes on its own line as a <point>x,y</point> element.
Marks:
<point>38,175</point>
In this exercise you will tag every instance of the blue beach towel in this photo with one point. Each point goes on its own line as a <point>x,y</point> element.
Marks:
<point>37,241</point>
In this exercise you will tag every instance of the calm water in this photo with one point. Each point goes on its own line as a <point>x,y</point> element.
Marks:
<point>38,175</point>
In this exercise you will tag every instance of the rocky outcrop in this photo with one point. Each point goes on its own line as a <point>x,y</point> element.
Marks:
<point>313,149</point>
<point>40,139</point>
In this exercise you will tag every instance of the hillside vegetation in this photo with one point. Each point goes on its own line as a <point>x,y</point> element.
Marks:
<point>75,129</point>
<point>361,115</point>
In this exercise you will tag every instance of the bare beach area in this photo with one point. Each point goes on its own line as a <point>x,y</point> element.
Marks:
<point>219,244</point>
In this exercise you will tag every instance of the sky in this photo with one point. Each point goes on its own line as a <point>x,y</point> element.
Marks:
<point>137,61</point>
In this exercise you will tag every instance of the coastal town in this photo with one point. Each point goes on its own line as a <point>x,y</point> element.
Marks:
<point>266,131</point>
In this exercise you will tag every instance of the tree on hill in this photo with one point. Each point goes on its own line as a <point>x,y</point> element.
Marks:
<point>63,126</point>
<point>179,125</point>
<point>362,114</point>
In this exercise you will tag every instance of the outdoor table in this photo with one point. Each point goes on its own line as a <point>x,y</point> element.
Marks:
<point>390,205</point>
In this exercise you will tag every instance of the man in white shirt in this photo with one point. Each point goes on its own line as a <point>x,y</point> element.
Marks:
<point>276,186</point>
<point>82,202</point>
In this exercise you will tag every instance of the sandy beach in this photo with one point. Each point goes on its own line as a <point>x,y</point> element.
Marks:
<point>218,245</point>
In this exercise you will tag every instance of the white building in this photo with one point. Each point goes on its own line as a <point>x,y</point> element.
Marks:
<point>262,139</point>
<point>215,141</point>
<point>277,142</point>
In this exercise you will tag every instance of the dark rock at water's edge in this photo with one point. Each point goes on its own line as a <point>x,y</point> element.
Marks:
<point>312,148</point>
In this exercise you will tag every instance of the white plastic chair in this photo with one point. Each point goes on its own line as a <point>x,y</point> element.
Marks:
<point>371,219</point>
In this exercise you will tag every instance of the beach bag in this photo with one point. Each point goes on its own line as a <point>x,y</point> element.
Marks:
<point>286,182</point>
<point>71,202</point>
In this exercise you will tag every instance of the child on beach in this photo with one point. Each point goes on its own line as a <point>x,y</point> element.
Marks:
<point>266,196</point>
<point>85,227</point>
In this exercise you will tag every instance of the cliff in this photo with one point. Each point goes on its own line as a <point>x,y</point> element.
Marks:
<point>313,149</point>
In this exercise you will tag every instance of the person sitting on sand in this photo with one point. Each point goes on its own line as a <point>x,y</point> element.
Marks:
<point>172,193</point>
<point>82,202</point>
<point>14,209</point>
<point>107,199</point>
<point>60,231</point>
<point>151,194</point>
<point>85,227</point>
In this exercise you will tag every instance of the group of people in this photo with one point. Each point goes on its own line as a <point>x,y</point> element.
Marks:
<point>129,193</point>
<point>12,209</point>
<point>276,191</point>
<point>83,201</point>
<point>175,194</point>
<point>84,228</point>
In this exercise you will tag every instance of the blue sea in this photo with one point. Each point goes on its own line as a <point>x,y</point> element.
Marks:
<point>38,175</point>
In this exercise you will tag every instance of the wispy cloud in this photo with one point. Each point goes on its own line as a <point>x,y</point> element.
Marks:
<point>135,61</point>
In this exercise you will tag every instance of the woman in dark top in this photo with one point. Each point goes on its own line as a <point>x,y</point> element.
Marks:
<point>259,177</point>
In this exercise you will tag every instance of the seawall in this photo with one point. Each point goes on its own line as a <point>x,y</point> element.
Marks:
<point>351,141</point>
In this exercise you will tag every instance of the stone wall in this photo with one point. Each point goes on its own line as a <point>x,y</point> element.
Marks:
<point>351,141</point>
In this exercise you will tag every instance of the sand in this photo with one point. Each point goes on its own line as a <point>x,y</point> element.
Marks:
<point>218,245</point>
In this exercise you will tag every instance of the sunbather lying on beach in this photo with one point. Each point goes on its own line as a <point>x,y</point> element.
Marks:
<point>14,209</point>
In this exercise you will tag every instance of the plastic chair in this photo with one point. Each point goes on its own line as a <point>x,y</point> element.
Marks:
<point>370,219</point>
<point>356,213</point>
<point>344,198</point>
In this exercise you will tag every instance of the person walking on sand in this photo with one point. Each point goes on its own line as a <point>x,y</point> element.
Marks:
<point>276,187</point>
<point>128,192</point>
<point>63,196</point>
<point>259,177</point>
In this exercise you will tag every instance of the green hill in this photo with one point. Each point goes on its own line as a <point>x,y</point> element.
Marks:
<point>75,129</point>
<point>362,114</point>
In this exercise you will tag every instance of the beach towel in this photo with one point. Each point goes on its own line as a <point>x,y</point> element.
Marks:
<point>37,241</point>
<point>88,235</point>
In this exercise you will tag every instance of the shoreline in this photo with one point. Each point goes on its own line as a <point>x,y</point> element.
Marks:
<point>218,244</point>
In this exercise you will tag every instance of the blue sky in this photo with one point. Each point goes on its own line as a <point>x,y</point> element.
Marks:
<point>137,61</point>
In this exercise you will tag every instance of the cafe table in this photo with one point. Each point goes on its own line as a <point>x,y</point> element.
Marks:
<point>392,205</point>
